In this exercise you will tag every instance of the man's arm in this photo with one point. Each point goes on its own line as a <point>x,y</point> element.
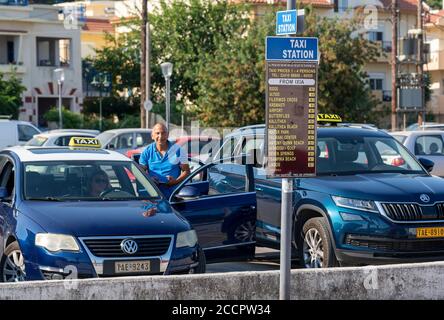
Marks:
<point>185,171</point>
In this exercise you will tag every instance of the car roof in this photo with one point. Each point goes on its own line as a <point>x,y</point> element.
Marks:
<point>35,154</point>
<point>127,130</point>
<point>322,131</point>
<point>417,132</point>
<point>65,133</point>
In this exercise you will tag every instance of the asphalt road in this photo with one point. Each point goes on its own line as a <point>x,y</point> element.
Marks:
<point>266,259</point>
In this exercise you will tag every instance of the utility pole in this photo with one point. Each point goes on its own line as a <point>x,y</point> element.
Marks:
<point>394,62</point>
<point>143,84</point>
<point>420,63</point>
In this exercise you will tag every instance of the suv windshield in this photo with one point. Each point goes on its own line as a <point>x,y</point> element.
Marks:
<point>352,155</point>
<point>86,180</point>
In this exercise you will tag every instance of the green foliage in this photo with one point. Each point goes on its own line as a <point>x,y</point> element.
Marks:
<point>71,120</point>
<point>10,95</point>
<point>111,106</point>
<point>435,4</point>
<point>342,85</point>
<point>231,82</point>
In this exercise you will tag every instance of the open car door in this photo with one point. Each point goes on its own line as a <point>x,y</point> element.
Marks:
<point>221,207</point>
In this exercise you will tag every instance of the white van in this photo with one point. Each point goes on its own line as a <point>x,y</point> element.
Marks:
<point>13,132</point>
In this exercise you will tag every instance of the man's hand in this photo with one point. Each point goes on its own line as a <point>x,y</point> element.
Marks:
<point>171,181</point>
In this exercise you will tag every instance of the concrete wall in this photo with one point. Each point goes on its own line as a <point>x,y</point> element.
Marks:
<point>414,281</point>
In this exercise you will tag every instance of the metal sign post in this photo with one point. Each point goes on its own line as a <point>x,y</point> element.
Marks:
<point>291,127</point>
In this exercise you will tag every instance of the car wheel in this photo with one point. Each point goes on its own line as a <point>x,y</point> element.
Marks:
<point>12,264</point>
<point>316,248</point>
<point>243,232</point>
<point>202,267</point>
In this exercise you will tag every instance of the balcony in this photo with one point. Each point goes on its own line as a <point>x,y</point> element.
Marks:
<point>11,68</point>
<point>386,49</point>
<point>436,61</point>
<point>382,95</point>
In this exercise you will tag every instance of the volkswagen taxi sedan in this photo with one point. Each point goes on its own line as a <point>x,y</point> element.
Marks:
<point>83,213</point>
<point>360,208</point>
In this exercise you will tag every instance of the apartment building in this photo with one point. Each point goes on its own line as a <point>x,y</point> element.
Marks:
<point>35,41</point>
<point>434,28</point>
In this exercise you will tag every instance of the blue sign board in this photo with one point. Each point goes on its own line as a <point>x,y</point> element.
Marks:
<point>286,22</point>
<point>291,49</point>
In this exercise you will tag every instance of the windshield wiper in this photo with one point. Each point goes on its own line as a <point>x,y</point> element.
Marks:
<point>45,199</point>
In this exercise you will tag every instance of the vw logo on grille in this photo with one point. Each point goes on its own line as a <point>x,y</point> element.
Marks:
<point>129,246</point>
<point>424,198</point>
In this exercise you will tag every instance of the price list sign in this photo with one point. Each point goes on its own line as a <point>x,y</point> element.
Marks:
<point>291,112</point>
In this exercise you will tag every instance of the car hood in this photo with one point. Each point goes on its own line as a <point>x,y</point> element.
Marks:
<point>380,187</point>
<point>105,218</point>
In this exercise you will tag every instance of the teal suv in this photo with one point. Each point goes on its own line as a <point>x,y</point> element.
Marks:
<point>372,201</point>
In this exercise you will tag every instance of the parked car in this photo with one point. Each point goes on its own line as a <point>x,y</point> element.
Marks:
<point>358,209</point>
<point>428,144</point>
<point>415,126</point>
<point>122,140</point>
<point>199,148</point>
<point>60,138</point>
<point>14,133</point>
<point>89,131</point>
<point>126,229</point>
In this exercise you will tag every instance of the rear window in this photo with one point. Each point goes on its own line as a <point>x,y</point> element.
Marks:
<point>37,141</point>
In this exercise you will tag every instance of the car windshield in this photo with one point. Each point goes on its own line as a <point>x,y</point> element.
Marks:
<point>86,180</point>
<point>105,137</point>
<point>353,155</point>
<point>37,141</point>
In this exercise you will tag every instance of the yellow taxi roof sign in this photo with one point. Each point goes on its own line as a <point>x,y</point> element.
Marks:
<point>84,142</point>
<point>329,117</point>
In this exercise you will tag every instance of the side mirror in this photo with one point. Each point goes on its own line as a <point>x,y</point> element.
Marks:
<point>188,193</point>
<point>3,193</point>
<point>427,164</point>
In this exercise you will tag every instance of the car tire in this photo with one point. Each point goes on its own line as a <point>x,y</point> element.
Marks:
<point>316,246</point>
<point>202,267</point>
<point>12,264</point>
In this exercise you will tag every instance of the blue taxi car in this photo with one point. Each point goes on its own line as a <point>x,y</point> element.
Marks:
<point>361,208</point>
<point>82,212</point>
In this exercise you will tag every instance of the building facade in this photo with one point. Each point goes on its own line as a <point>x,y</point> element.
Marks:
<point>34,41</point>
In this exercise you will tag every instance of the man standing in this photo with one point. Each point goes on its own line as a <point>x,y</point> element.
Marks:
<point>165,162</point>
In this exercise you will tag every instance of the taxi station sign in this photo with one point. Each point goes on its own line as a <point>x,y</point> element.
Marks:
<point>291,106</point>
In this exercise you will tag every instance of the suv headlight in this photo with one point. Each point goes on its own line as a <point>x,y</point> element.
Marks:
<point>365,205</point>
<point>186,239</point>
<point>56,242</point>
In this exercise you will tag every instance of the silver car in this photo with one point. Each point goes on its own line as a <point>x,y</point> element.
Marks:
<point>428,144</point>
<point>60,138</point>
<point>122,140</point>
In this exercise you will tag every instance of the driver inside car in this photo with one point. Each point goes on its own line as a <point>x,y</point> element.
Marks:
<point>98,183</point>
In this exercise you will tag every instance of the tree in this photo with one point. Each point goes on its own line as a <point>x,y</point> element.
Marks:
<point>435,4</point>
<point>10,95</point>
<point>232,84</point>
<point>342,87</point>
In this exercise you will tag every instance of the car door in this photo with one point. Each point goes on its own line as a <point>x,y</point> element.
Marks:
<point>7,180</point>
<point>223,215</point>
<point>431,146</point>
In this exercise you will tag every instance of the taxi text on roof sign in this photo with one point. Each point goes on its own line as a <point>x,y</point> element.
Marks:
<point>325,117</point>
<point>84,142</point>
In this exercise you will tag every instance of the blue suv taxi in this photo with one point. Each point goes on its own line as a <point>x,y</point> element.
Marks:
<point>90,212</point>
<point>361,208</point>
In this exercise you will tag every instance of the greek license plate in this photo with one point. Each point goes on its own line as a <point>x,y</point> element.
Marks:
<point>430,233</point>
<point>132,266</point>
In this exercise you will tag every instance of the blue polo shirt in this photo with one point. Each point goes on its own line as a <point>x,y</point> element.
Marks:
<point>161,166</point>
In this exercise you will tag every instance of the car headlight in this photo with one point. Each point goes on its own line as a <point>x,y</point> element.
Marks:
<point>186,239</point>
<point>365,205</point>
<point>56,242</point>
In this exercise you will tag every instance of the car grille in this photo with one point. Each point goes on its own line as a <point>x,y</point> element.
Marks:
<point>390,245</point>
<point>110,247</point>
<point>413,211</point>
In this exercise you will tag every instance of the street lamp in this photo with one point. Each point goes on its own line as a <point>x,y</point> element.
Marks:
<point>167,71</point>
<point>59,75</point>
<point>101,83</point>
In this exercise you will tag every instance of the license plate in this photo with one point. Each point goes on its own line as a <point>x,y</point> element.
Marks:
<point>430,233</point>
<point>132,266</point>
